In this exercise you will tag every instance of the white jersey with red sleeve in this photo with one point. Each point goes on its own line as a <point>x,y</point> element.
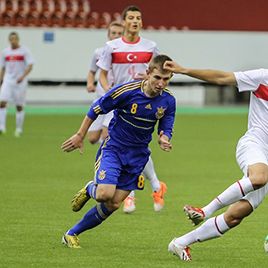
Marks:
<point>94,68</point>
<point>15,61</point>
<point>127,60</point>
<point>256,81</point>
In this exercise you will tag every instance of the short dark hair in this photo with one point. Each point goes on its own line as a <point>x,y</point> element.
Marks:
<point>13,33</point>
<point>158,62</point>
<point>129,8</point>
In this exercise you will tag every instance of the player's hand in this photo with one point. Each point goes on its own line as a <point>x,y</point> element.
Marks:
<point>91,88</point>
<point>163,141</point>
<point>20,79</point>
<point>173,67</point>
<point>74,142</point>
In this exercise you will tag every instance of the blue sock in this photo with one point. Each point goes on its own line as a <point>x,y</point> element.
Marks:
<point>92,218</point>
<point>91,190</point>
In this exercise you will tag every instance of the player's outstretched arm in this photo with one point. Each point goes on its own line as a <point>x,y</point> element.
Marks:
<point>90,82</point>
<point>104,79</point>
<point>26,72</point>
<point>211,76</point>
<point>164,142</point>
<point>76,141</point>
<point>2,73</point>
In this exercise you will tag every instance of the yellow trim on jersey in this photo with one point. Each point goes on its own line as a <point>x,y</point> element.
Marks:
<point>140,118</point>
<point>134,124</point>
<point>97,163</point>
<point>168,91</point>
<point>125,88</point>
<point>97,109</point>
<point>144,119</point>
<point>142,85</point>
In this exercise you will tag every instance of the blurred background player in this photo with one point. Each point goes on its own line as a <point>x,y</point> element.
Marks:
<point>122,156</point>
<point>16,63</point>
<point>128,58</point>
<point>246,194</point>
<point>98,131</point>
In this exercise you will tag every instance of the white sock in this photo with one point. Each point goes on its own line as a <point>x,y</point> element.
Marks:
<point>3,116</point>
<point>232,194</point>
<point>149,173</point>
<point>212,228</point>
<point>19,120</point>
<point>131,194</point>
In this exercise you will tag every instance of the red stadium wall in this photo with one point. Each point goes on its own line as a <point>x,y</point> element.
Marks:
<point>229,15</point>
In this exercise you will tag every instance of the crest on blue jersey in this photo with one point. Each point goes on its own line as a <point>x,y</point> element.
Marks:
<point>102,174</point>
<point>160,112</point>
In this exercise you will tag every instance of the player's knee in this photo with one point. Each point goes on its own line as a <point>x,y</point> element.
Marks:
<point>3,104</point>
<point>102,195</point>
<point>233,220</point>
<point>114,205</point>
<point>259,179</point>
<point>19,108</point>
<point>92,140</point>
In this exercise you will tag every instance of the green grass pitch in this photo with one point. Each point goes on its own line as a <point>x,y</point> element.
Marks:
<point>38,182</point>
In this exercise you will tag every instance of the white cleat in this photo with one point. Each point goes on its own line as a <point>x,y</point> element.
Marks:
<point>18,133</point>
<point>182,252</point>
<point>129,205</point>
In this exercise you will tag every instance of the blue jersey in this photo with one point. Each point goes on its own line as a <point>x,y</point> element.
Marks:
<point>135,114</point>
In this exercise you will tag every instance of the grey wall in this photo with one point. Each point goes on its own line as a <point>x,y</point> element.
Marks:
<point>68,56</point>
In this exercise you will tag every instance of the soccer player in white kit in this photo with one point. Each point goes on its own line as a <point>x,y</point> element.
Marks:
<point>16,63</point>
<point>246,194</point>
<point>128,58</point>
<point>98,131</point>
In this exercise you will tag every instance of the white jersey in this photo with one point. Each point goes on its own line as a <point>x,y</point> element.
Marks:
<point>94,68</point>
<point>127,60</point>
<point>256,81</point>
<point>15,61</point>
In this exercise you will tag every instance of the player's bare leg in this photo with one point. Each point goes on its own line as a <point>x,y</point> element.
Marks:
<point>212,228</point>
<point>257,178</point>
<point>97,136</point>
<point>110,200</point>
<point>94,136</point>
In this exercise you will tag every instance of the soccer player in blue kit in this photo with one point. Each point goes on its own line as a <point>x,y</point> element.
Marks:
<point>138,106</point>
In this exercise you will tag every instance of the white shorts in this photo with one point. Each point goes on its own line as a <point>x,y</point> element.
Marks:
<point>250,151</point>
<point>11,91</point>
<point>103,120</point>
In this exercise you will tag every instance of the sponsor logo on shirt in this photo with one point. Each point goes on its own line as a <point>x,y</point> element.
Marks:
<point>148,106</point>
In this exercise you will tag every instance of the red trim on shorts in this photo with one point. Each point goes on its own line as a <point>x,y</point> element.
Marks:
<point>14,58</point>
<point>131,57</point>
<point>241,189</point>
<point>262,92</point>
<point>217,227</point>
<point>125,41</point>
<point>218,199</point>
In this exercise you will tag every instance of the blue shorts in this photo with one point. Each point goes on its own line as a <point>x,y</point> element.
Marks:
<point>121,166</point>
